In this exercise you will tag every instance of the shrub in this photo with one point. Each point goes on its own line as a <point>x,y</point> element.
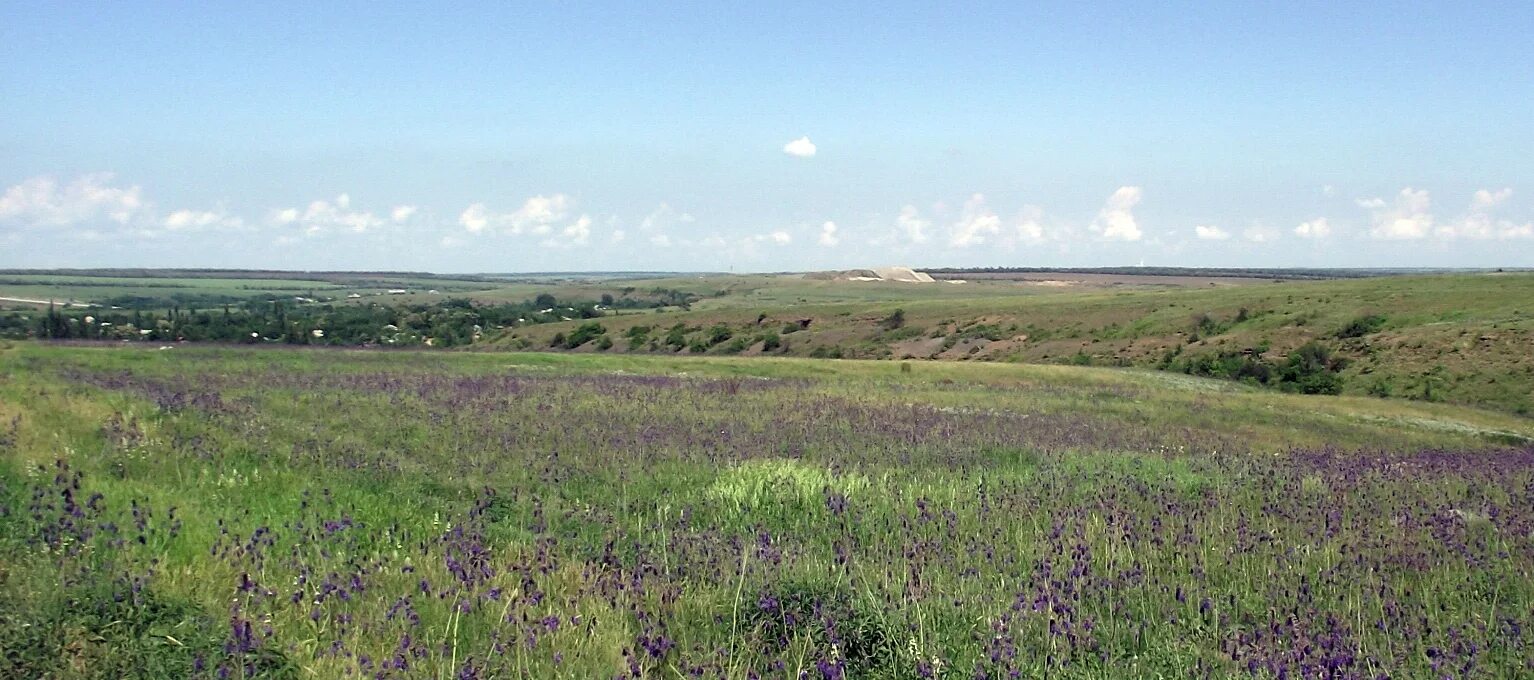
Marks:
<point>676,337</point>
<point>1311,369</point>
<point>585,333</point>
<point>737,345</point>
<point>895,320</point>
<point>1361,326</point>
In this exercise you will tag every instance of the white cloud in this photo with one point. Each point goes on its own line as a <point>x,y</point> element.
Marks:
<point>548,216</point>
<point>619,235</point>
<point>1260,234</point>
<point>402,213</point>
<point>323,216</point>
<point>185,220</point>
<point>1029,224</point>
<point>1210,233</point>
<point>801,147</point>
<point>1116,221</point>
<point>1316,229</point>
<point>89,199</point>
<point>912,225</point>
<point>1480,223</point>
<point>538,214</point>
<point>1486,199</point>
<point>475,218</point>
<point>1406,218</point>
<point>781,238</point>
<point>577,233</point>
<point>661,240</point>
<point>976,221</point>
<point>828,237</point>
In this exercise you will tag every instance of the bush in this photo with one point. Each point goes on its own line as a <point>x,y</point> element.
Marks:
<point>1361,326</point>
<point>895,320</point>
<point>584,334</point>
<point>718,333</point>
<point>737,345</point>
<point>676,337</point>
<point>1311,369</point>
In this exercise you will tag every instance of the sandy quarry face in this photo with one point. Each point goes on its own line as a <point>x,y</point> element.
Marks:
<point>905,274</point>
<point>898,274</point>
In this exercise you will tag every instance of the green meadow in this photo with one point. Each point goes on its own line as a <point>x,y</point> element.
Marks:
<point>327,512</point>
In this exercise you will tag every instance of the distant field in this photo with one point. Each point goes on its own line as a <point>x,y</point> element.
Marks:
<point>160,288</point>
<point>210,512</point>
<point>1461,338</point>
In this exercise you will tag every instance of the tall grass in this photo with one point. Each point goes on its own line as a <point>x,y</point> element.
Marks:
<point>245,514</point>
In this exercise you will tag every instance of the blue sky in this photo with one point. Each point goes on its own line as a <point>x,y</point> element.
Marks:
<point>507,137</point>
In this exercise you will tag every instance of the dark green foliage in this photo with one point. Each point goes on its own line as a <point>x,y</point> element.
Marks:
<point>1361,326</point>
<point>448,322</point>
<point>1205,325</point>
<point>771,341</point>
<point>676,337</point>
<point>1311,369</point>
<point>903,333</point>
<point>896,319</point>
<point>737,345</point>
<point>585,333</point>
<point>718,333</point>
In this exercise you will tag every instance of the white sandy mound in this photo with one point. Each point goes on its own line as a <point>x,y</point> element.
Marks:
<point>905,274</point>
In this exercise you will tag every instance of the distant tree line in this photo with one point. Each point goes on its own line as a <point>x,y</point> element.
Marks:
<point>450,322</point>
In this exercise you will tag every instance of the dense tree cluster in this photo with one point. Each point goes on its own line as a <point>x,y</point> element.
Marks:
<point>452,321</point>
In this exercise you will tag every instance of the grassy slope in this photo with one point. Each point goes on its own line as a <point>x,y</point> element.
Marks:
<point>254,471</point>
<point>1457,338</point>
<point>1264,419</point>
